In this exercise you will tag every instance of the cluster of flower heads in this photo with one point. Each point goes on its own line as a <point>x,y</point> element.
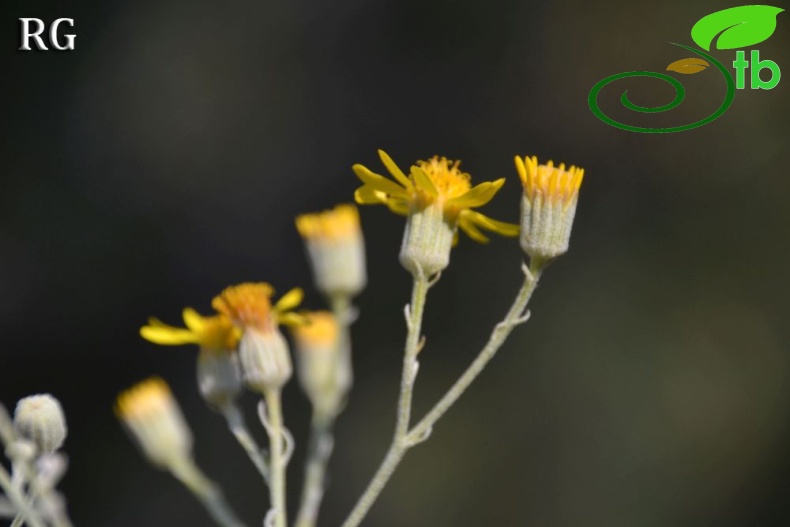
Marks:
<point>242,343</point>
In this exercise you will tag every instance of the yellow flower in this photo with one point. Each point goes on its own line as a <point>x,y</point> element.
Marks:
<point>439,182</point>
<point>548,206</point>
<point>210,333</point>
<point>249,305</point>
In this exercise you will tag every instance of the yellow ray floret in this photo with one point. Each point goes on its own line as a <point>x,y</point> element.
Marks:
<point>554,183</point>
<point>249,305</point>
<point>339,223</point>
<point>438,181</point>
<point>211,333</point>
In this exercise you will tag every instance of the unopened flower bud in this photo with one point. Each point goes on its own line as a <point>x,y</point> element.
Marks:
<point>336,250</point>
<point>265,359</point>
<point>152,415</point>
<point>548,206</point>
<point>40,419</point>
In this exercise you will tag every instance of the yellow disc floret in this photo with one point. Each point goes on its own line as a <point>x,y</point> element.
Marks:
<point>445,176</point>
<point>247,304</point>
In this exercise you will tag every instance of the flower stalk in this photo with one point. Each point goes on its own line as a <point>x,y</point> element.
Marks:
<point>319,450</point>
<point>274,427</point>
<point>406,438</point>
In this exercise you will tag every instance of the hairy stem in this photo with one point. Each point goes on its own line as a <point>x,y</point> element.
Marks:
<point>277,447</point>
<point>515,316</point>
<point>399,445</point>
<point>405,438</point>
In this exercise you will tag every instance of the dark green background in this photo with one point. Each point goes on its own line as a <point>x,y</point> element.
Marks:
<point>167,156</point>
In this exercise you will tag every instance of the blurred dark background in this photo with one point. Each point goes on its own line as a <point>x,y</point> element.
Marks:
<point>167,156</point>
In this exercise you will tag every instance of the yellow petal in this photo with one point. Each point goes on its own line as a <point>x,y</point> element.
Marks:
<point>193,320</point>
<point>522,169</point>
<point>378,182</point>
<point>500,227</point>
<point>167,336</point>
<point>396,172</point>
<point>290,300</point>
<point>292,319</point>
<point>367,195</point>
<point>398,206</point>
<point>479,195</point>
<point>423,181</point>
<point>469,228</point>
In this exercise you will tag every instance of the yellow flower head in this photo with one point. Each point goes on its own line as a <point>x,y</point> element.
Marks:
<point>320,331</point>
<point>440,182</point>
<point>249,305</point>
<point>552,183</point>
<point>548,206</point>
<point>216,333</point>
<point>339,223</point>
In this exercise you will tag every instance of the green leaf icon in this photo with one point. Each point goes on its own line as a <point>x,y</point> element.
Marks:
<point>739,27</point>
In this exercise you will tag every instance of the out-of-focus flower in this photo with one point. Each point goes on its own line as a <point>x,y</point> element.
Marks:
<point>40,420</point>
<point>265,359</point>
<point>322,370</point>
<point>218,370</point>
<point>152,415</point>
<point>336,250</point>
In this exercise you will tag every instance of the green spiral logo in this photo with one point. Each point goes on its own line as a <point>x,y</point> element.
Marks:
<point>732,28</point>
<point>680,94</point>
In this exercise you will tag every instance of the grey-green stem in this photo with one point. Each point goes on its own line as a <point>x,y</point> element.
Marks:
<point>18,500</point>
<point>319,451</point>
<point>414,312</point>
<point>206,491</point>
<point>238,427</point>
<point>404,438</point>
<point>277,448</point>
